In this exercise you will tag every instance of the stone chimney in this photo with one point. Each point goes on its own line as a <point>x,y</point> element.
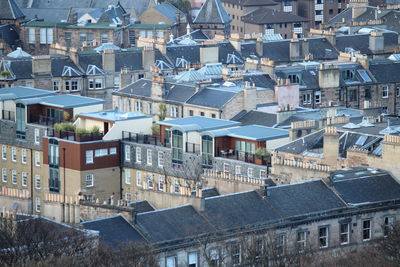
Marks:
<point>268,66</point>
<point>376,41</point>
<point>294,49</point>
<point>306,49</point>
<point>331,37</point>
<point>209,54</point>
<point>260,46</point>
<point>331,146</point>
<point>328,76</point>
<point>158,88</point>
<point>148,57</point>
<point>250,96</point>
<point>41,65</point>
<point>108,60</point>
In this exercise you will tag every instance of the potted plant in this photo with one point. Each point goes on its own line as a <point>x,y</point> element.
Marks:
<point>61,129</point>
<point>261,153</point>
<point>155,128</point>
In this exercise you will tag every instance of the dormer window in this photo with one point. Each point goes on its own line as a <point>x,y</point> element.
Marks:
<point>348,75</point>
<point>294,78</point>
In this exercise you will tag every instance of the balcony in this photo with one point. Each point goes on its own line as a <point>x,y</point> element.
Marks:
<point>8,115</point>
<point>192,148</point>
<point>73,136</point>
<point>145,139</point>
<point>243,156</point>
<point>43,120</point>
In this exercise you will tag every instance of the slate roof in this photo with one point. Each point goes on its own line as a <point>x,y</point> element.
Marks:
<point>365,186</point>
<point>59,62</point>
<point>172,224</point>
<point>251,2</point>
<point>9,34</point>
<point>264,15</point>
<point>303,198</point>
<point>256,117</point>
<point>248,49</point>
<point>212,12</point>
<point>114,230</point>
<point>238,210</point>
<point>47,14</point>
<point>213,98</point>
<point>141,206</point>
<point>304,143</point>
<point>86,59</point>
<point>170,12</point>
<point>9,10</point>
<point>191,53</point>
<point>21,68</point>
<point>360,42</point>
<point>226,48</point>
<point>113,14</point>
<point>385,72</point>
<point>259,79</point>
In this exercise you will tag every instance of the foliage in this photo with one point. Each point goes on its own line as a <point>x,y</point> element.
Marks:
<point>4,74</point>
<point>66,116</point>
<point>162,111</point>
<point>262,152</point>
<point>95,130</point>
<point>82,132</point>
<point>64,126</point>
<point>155,128</point>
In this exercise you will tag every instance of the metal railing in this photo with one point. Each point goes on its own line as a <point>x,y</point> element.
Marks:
<point>8,115</point>
<point>243,156</point>
<point>73,136</point>
<point>192,148</point>
<point>145,139</point>
<point>43,120</point>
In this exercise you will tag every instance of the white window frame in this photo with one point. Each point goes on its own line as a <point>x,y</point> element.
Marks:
<point>149,157</point>
<point>177,187</point>
<point>139,178</point>
<point>263,173</point>
<point>387,224</point>
<point>23,156</point>
<point>14,177</point>
<point>300,241</point>
<point>307,99</point>
<point>385,91</point>
<point>149,181</point>
<point>89,157</point>
<point>161,183</point>
<point>31,35</point>
<point>317,97</point>
<point>250,173</point>
<point>113,151</point>
<point>323,237</point>
<point>37,136</point>
<point>138,152</point>
<point>226,167</point>
<point>89,181</point>
<point>37,204</point>
<point>366,229</point>
<point>14,154</point>
<point>171,261</point>
<point>238,170</point>
<point>344,233</point>
<point>127,153</point>
<point>98,83</point>
<point>138,106</point>
<point>128,176</point>
<point>193,258</point>
<point>101,152</point>
<point>37,159</point>
<point>128,196</point>
<point>4,152</point>
<point>37,181</point>
<point>173,111</point>
<point>24,179</point>
<point>160,159</point>
<point>4,175</point>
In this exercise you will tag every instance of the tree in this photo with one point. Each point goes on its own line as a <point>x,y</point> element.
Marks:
<point>162,111</point>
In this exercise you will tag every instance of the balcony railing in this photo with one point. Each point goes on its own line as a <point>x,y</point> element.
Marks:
<point>8,115</point>
<point>192,148</point>
<point>145,139</point>
<point>73,136</point>
<point>243,156</point>
<point>43,120</point>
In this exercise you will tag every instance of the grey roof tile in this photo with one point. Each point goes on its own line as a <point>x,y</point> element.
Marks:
<point>213,98</point>
<point>9,10</point>
<point>257,117</point>
<point>212,12</point>
<point>265,15</point>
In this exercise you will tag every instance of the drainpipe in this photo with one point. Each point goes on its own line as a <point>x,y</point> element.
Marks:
<point>32,199</point>
<point>65,185</point>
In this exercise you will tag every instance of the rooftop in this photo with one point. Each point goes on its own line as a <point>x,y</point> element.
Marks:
<point>114,115</point>
<point>198,123</point>
<point>251,132</point>
<point>20,92</point>
<point>65,101</point>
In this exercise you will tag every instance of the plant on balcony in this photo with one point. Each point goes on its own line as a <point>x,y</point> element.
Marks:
<point>155,128</point>
<point>95,130</point>
<point>82,132</point>
<point>162,111</point>
<point>66,116</point>
<point>262,152</point>
<point>64,126</point>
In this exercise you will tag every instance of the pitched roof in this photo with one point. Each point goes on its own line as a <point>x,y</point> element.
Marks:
<point>170,12</point>
<point>10,10</point>
<point>47,14</point>
<point>198,123</point>
<point>9,35</point>
<point>171,224</point>
<point>264,15</point>
<point>256,117</point>
<point>385,72</point>
<point>213,98</point>
<point>251,2</point>
<point>212,12</point>
<point>113,14</point>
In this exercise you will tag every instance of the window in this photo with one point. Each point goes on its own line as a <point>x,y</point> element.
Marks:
<point>116,81</point>
<point>263,174</point>
<point>37,181</point>
<point>104,38</point>
<point>127,153</point>
<point>235,253</point>
<point>91,83</point>
<point>173,111</point>
<point>367,93</point>
<point>113,150</point>
<point>213,115</point>
<point>238,170</point>
<point>14,154</point>
<point>149,178</point>
<point>160,159</point>
<point>149,157</point>
<point>67,85</point>
<point>98,83</point>
<point>318,97</point>
<point>323,237</point>
<point>202,113</point>
<point>37,136</point>
<point>46,36</point>
<point>4,152</point>
<point>280,244</point>
<point>23,156</point>
<point>4,175</point>
<point>128,197</point>
<point>330,11</point>
<point>37,158</point>
<point>31,36</point>
<point>387,225</point>
<point>226,168</point>
<point>101,152</point>
<point>306,99</point>
<point>344,233</point>
<point>207,150</point>
<point>214,257</point>
<point>140,76</point>
<point>177,147</point>
<point>171,261</point>
<point>161,182</point>
<point>250,172</point>
<point>138,154</point>
<point>89,156</point>
<point>138,178</point>
<point>37,206</point>
<point>127,177</point>
<point>193,259</point>
<point>149,108</point>
<point>246,147</point>
<point>301,240</point>
<point>67,38</point>
<point>191,113</point>
<point>294,78</point>
<point>353,95</point>
<point>398,91</point>
<point>385,91</point>
<point>89,180</point>
<point>74,85</point>
<point>24,178</point>
<point>366,230</point>
<point>14,176</point>
<point>53,159</point>
<point>176,186</point>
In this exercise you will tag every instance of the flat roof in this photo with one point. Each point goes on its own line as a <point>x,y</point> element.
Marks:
<point>20,92</point>
<point>251,132</point>
<point>198,123</point>
<point>65,101</point>
<point>114,115</point>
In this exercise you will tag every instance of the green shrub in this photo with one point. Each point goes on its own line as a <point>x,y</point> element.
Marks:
<point>82,132</point>
<point>95,130</point>
<point>262,152</point>
<point>155,128</point>
<point>64,126</point>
